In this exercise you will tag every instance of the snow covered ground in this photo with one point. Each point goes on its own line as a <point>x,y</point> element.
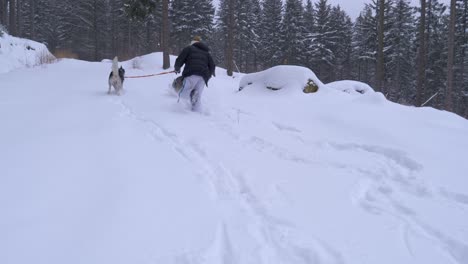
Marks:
<point>18,53</point>
<point>259,176</point>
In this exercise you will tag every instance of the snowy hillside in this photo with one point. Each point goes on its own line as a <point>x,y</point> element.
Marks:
<point>260,176</point>
<point>20,53</point>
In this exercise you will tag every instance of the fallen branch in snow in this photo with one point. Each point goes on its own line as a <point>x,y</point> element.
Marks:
<point>432,97</point>
<point>235,64</point>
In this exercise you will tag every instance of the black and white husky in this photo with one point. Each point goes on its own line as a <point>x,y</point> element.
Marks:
<point>116,77</point>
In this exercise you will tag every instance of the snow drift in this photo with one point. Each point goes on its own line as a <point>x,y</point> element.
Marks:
<point>350,87</point>
<point>18,53</point>
<point>295,78</point>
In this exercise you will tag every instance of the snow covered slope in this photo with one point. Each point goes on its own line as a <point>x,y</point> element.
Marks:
<point>259,176</point>
<point>20,53</point>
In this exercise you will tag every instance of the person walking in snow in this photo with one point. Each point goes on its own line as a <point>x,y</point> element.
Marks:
<point>199,67</point>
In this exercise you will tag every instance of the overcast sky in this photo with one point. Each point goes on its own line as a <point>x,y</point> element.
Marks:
<point>353,7</point>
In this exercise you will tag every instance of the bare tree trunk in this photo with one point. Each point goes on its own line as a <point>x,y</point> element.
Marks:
<point>230,39</point>
<point>255,62</point>
<point>396,89</point>
<point>19,18</point>
<point>12,16</point>
<point>129,40</point>
<point>421,56</point>
<point>113,31</point>
<point>463,55</point>
<point>148,46</point>
<point>450,62</point>
<point>165,34</point>
<point>359,70</point>
<point>5,21</point>
<point>380,51</point>
<point>32,19</point>
<point>95,29</point>
<point>3,14</point>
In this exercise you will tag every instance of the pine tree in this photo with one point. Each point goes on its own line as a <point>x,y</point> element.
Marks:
<point>27,13</point>
<point>120,28</point>
<point>293,31</point>
<point>3,12</point>
<point>400,63</point>
<point>342,47</point>
<point>38,20</point>
<point>436,52</point>
<point>89,35</point>
<point>365,46</point>
<point>309,26</point>
<point>49,30</point>
<point>144,9</point>
<point>206,12</point>
<point>270,34</point>
<point>325,38</point>
<point>246,38</point>
<point>67,28</point>
<point>177,10</point>
<point>218,45</point>
<point>12,16</point>
<point>422,55</point>
<point>381,12</point>
<point>227,26</point>
<point>461,58</point>
<point>255,35</point>
<point>380,71</point>
<point>165,36</point>
<point>451,57</point>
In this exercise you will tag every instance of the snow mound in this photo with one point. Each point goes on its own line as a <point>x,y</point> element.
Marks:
<point>351,87</point>
<point>281,77</point>
<point>145,64</point>
<point>371,99</point>
<point>18,53</point>
<point>150,61</point>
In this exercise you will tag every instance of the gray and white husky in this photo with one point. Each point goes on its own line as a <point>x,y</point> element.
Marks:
<point>116,77</point>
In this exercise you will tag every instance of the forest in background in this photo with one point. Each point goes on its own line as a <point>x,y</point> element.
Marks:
<point>408,53</point>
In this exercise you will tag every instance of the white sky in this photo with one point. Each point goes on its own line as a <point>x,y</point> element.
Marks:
<point>352,7</point>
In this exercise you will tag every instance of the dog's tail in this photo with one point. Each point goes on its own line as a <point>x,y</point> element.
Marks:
<point>115,66</point>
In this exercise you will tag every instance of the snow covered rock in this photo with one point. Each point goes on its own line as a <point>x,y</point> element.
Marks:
<point>284,76</point>
<point>351,87</point>
<point>19,53</point>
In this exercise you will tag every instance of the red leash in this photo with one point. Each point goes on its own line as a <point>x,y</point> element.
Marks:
<point>149,75</point>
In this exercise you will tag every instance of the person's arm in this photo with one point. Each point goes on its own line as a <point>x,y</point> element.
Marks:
<point>181,59</point>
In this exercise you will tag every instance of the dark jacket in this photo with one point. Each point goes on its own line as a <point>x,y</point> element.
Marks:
<point>197,60</point>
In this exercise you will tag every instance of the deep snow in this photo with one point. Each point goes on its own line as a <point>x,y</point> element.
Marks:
<point>259,176</point>
<point>16,53</point>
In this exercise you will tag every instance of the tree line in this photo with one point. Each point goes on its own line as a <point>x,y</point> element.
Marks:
<point>410,54</point>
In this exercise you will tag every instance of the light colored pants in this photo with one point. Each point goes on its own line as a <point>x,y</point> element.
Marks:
<point>192,89</point>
